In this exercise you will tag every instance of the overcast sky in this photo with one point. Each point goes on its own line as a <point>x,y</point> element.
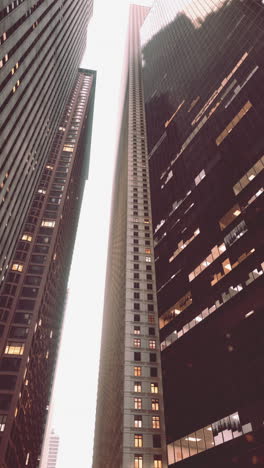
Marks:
<point>76,382</point>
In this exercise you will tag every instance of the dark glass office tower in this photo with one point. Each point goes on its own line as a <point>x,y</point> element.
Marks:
<point>203,69</point>
<point>33,292</point>
<point>41,45</point>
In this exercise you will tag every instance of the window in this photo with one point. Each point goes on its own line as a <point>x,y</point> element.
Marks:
<point>153,372</point>
<point>152,357</point>
<point>150,307</point>
<point>137,356</point>
<point>152,344</point>
<point>47,223</point>
<point>151,331</point>
<point>149,286</point>
<point>136,285</point>
<point>27,237</point>
<point>138,421</point>
<point>154,388</point>
<point>137,371</point>
<point>150,297</point>
<point>136,330</point>
<point>136,257</point>
<point>155,422</point>
<point>138,403</point>
<point>14,348</point>
<point>136,266</point>
<point>138,439</point>
<point>138,461</point>
<point>156,441</point>
<point>136,306</point>
<point>157,461</point>
<point>136,275</point>
<point>155,404</point>
<point>137,343</point>
<point>137,387</point>
<point>3,418</point>
<point>136,318</point>
<point>17,267</point>
<point>148,259</point>
<point>136,295</point>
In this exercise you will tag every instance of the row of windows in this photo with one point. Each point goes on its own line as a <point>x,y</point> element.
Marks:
<point>151,344</point>
<point>138,422</point>
<point>137,330</point>
<point>225,297</point>
<point>138,461</point>
<point>206,438</point>
<point>154,388</point>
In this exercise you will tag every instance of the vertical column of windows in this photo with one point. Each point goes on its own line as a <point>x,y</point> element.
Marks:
<point>141,300</point>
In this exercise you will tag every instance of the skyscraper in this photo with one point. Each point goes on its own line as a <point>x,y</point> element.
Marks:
<point>34,289</point>
<point>203,65</point>
<point>129,420</point>
<point>54,441</point>
<point>41,45</point>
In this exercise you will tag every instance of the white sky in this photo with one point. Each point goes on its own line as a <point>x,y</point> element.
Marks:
<point>76,381</point>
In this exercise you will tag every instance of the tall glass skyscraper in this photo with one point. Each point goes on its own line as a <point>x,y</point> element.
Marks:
<point>45,130</point>
<point>41,45</point>
<point>203,65</point>
<point>129,421</point>
<point>34,290</point>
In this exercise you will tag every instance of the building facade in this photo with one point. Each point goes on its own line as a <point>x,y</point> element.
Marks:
<point>203,66</point>
<point>54,442</point>
<point>33,292</point>
<point>41,45</point>
<point>129,430</point>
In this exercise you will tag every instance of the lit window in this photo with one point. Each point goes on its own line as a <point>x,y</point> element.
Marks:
<point>157,461</point>
<point>138,461</point>
<point>137,387</point>
<point>154,388</point>
<point>136,330</point>
<point>42,191</point>
<point>148,259</point>
<point>138,403</point>
<point>17,267</point>
<point>14,348</point>
<point>137,371</point>
<point>155,404</point>
<point>233,123</point>
<point>3,418</point>
<point>26,237</point>
<point>177,308</point>
<point>147,251</point>
<point>68,149</point>
<point>155,422</point>
<point>137,343</point>
<point>138,439</point>
<point>50,224</point>
<point>152,344</point>
<point>138,421</point>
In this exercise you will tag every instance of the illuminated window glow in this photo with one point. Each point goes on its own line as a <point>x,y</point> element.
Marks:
<point>233,123</point>
<point>249,176</point>
<point>17,267</point>
<point>183,244</point>
<point>176,309</point>
<point>15,348</point>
